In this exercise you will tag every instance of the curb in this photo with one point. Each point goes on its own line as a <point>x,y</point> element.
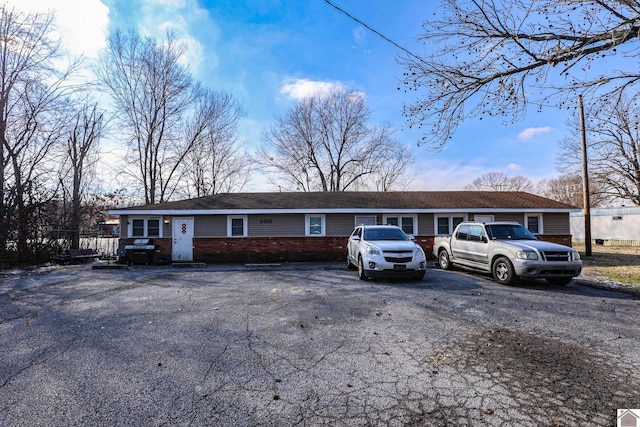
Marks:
<point>609,286</point>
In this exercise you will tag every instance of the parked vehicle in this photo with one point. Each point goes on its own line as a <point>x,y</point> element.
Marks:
<point>384,250</point>
<point>508,251</point>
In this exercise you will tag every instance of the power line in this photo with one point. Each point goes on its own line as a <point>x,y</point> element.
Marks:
<point>373,30</point>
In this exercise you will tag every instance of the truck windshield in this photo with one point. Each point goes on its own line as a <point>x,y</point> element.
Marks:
<point>384,234</point>
<point>509,231</point>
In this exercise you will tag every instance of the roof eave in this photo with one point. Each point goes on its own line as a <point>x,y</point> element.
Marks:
<point>193,212</point>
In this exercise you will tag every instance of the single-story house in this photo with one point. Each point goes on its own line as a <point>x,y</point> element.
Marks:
<point>314,226</point>
<point>617,226</point>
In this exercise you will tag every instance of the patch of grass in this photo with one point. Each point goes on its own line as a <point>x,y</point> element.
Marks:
<point>620,264</point>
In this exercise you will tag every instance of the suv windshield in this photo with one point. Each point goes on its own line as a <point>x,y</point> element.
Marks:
<point>384,234</point>
<point>509,231</point>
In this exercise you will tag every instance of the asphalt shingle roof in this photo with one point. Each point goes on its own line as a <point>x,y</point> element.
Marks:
<point>362,200</point>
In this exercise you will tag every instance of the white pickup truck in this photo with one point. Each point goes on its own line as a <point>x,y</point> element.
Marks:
<point>508,251</point>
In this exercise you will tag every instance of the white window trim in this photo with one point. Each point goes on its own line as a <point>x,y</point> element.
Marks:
<point>534,215</point>
<point>450,218</point>
<point>385,220</point>
<point>245,225</point>
<point>146,226</point>
<point>307,225</point>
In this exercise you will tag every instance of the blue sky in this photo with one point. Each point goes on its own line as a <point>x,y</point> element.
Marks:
<point>270,53</point>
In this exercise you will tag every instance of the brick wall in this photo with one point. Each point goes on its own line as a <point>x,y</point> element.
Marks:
<point>563,240</point>
<point>283,249</point>
<point>269,249</point>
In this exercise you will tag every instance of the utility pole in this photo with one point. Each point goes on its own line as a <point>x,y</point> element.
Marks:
<point>585,181</point>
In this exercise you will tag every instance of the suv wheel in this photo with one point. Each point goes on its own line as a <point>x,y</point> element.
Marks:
<point>503,272</point>
<point>361,273</point>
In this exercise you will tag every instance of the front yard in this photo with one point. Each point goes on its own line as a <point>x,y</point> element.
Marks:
<point>617,264</point>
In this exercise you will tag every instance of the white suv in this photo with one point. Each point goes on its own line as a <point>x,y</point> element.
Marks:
<point>384,250</point>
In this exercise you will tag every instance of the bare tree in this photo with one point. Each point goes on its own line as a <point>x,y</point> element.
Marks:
<point>160,108</point>
<point>33,95</point>
<point>325,143</point>
<point>394,174</point>
<point>568,189</point>
<point>499,181</point>
<point>79,157</point>
<point>495,57</point>
<point>613,141</point>
<point>217,163</point>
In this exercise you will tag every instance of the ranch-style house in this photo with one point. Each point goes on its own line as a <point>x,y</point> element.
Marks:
<point>314,226</point>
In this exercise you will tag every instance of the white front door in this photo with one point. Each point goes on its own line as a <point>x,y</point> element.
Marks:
<point>182,239</point>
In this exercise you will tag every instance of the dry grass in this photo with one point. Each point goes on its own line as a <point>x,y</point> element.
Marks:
<point>619,264</point>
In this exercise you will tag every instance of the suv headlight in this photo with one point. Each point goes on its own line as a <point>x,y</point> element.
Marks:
<point>420,253</point>
<point>576,256</point>
<point>526,255</point>
<point>372,250</point>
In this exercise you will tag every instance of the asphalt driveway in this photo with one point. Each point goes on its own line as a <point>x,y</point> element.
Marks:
<point>310,345</point>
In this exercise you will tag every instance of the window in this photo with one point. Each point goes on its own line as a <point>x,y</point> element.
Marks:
<point>483,218</point>
<point>145,227</point>
<point>153,227</point>
<point>137,230</point>
<point>365,220</point>
<point>237,226</point>
<point>463,232</point>
<point>444,224</point>
<point>533,223</point>
<point>477,234</point>
<point>407,223</point>
<point>314,225</point>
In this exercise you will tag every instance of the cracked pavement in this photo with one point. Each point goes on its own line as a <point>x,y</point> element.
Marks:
<point>310,345</point>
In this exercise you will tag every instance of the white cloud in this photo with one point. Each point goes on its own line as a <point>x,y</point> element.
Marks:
<point>82,25</point>
<point>514,167</point>
<point>439,174</point>
<point>529,133</point>
<point>303,88</point>
<point>359,35</point>
<point>178,16</point>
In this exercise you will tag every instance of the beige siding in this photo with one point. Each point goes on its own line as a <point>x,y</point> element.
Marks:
<point>340,224</point>
<point>276,225</point>
<point>556,223</point>
<point>425,225</point>
<point>167,230</point>
<point>293,225</point>
<point>124,227</point>
<point>210,226</point>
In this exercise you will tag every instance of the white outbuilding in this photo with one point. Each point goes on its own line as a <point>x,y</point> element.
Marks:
<point>609,226</point>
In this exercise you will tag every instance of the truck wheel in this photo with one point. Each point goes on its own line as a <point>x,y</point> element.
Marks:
<point>443,260</point>
<point>361,273</point>
<point>503,272</point>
